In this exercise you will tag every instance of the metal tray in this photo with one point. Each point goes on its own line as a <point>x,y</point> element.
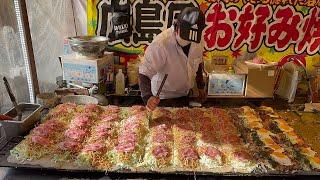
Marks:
<point>18,127</point>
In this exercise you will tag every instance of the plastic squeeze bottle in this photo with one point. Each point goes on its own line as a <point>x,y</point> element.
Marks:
<point>231,70</point>
<point>120,85</point>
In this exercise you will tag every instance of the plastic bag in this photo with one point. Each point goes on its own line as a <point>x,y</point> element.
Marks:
<point>120,21</point>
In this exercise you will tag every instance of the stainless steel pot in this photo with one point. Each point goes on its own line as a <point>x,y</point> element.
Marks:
<point>89,45</point>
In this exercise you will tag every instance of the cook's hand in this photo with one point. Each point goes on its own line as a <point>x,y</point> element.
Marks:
<point>202,95</point>
<point>153,103</point>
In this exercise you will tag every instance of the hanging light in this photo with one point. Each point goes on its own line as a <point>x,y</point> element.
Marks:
<point>25,55</point>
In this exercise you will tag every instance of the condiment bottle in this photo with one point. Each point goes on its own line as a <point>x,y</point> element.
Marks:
<point>120,84</point>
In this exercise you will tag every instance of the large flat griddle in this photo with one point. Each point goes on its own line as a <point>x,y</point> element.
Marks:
<point>6,162</point>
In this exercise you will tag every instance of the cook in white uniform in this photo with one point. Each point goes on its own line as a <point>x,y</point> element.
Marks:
<point>178,52</point>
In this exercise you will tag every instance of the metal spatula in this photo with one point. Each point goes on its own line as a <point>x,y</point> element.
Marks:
<point>161,85</point>
<point>12,97</point>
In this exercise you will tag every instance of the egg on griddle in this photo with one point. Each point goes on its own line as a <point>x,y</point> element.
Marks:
<point>281,158</point>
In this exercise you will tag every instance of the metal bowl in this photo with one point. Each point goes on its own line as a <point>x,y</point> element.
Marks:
<point>79,99</point>
<point>88,45</point>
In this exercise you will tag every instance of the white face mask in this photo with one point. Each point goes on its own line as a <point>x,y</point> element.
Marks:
<point>181,41</point>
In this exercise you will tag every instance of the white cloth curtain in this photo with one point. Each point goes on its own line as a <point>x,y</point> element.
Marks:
<point>51,22</point>
<point>11,60</point>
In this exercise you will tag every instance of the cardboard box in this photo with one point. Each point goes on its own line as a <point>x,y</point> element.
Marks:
<point>87,70</point>
<point>260,81</point>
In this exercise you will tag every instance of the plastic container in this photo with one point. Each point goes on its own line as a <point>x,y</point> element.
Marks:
<point>231,70</point>
<point>133,71</point>
<point>120,85</point>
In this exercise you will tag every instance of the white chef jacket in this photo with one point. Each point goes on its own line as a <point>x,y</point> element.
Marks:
<point>165,56</point>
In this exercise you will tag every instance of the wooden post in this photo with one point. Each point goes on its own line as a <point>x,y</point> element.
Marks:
<point>28,40</point>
